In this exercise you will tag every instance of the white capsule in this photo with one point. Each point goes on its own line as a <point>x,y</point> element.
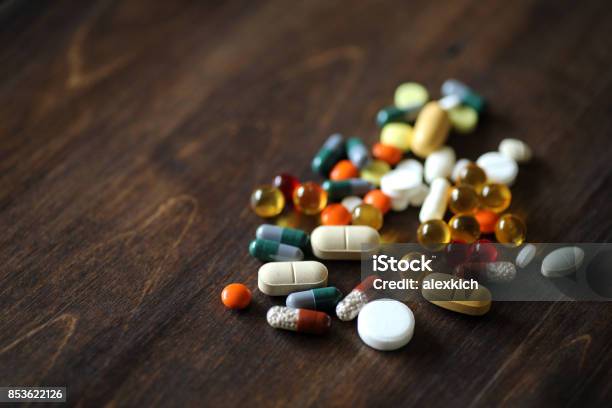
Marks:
<point>461,163</point>
<point>498,167</point>
<point>439,163</point>
<point>435,203</point>
<point>516,150</point>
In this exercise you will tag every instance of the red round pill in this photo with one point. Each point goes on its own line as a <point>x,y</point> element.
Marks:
<point>236,296</point>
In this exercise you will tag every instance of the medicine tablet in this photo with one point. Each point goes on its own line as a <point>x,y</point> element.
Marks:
<point>374,171</point>
<point>282,278</point>
<point>516,150</point>
<point>418,195</point>
<point>385,324</point>
<point>410,94</point>
<point>398,135</point>
<point>343,242</point>
<point>400,181</point>
<point>464,119</point>
<point>435,203</point>
<point>471,302</point>
<point>461,163</point>
<point>351,202</point>
<point>562,262</point>
<point>525,256</point>
<point>430,130</point>
<point>412,165</point>
<point>498,168</point>
<point>439,163</point>
<point>357,152</point>
<point>298,320</point>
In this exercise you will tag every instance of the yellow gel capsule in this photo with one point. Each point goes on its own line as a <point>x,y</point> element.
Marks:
<point>463,200</point>
<point>410,94</point>
<point>309,198</point>
<point>464,228</point>
<point>267,201</point>
<point>463,119</point>
<point>433,233</point>
<point>430,130</point>
<point>495,197</point>
<point>510,229</point>
<point>366,214</point>
<point>472,175</point>
<point>398,135</point>
<point>374,171</point>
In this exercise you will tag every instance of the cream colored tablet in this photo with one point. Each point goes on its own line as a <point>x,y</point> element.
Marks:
<point>343,242</point>
<point>282,278</point>
<point>452,293</point>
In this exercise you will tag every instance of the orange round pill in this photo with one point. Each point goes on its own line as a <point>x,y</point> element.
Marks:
<point>335,214</point>
<point>487,220</point>
<point>389,154</point>
<point>378,199</point>
<point>344,170</point>
<point>236,296</point>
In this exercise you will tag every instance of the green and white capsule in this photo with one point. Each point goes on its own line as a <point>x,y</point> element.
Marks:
<point>315,299</point>
<point>270,251</point>
<point>467,95</point>
<point>357,152</point>
<point>393,114</point>
<point>290,236</point>
<point>337,190</point>
<point>331,152</point>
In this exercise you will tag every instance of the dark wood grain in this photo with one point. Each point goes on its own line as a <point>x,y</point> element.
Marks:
<point>131,135</point>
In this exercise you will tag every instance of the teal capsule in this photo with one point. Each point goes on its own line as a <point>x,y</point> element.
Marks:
<point>393,114</point>
<point>331,152</point>
<point>290,236</point>
<point>337,190</point>
<point>267,251</point>
<point>315,299</point>
<point>357,152</point>
<point>467,95</point>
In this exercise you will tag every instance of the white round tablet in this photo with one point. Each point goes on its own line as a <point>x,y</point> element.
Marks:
<point>385,324</point>
<point>498,168</point>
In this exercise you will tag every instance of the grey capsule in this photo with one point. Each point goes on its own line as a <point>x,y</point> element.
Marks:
<point>315,299</point>
<point>562,262</point>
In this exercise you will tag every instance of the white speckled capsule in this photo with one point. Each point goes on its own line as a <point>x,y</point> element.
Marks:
<point>516,150</point>
<point>298,320</point>
<point>439,163</point>
<point>349,307</point>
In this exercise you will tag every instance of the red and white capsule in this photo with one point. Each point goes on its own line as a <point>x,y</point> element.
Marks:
<point>298,320</point>
<point>349,307</point>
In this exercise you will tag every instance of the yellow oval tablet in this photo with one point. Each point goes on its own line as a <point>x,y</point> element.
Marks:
<point>463,119</point>
<point>440,289</point>
<point>430,130</point>
<point>397,135</point>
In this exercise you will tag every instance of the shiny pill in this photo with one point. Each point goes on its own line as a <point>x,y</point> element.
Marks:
<point>387,153</point>
<point>343,242</point>
<point>335,214</point>
<point>298,320</point>
<point>267,251</point>
<point>282,278</point>
<point>343,170</point>
<point>315,299</point>
<point>284,235</point>
<point>430,130</point>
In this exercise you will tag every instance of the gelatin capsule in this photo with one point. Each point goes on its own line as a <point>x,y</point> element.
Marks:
<point>464,228</point>
<point>393,114</point>
<point>335,214</point>
<point>487,220</point>
<point>483,250</point>
<point>398,135</point>
<point>510,229</point>
<point>472,175</point>
<point>459,165</point>
<point>287,184</point>
<point>315,299</point>
<point>357,152</point>
<point>374,171</point>
<point>430,130</point>
<point>463,199</point>
<point>282,278</point>
<point>284,235</point>
<point>298,320</point>
<point>337,190</point>
<point>467,95</point>
<point>309,198</point>
<point>344,170</point>
<point>343,242</point>
<point>329,154</point>
<point>267,201</point>
<point>267,251</point>
<point>433,232</point>
<point>349,307</point>
<point>495,197</point>
<point>435,203</point>
<point>366,214</point>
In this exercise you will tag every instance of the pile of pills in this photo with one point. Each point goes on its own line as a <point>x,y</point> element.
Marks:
<point>361,186</point>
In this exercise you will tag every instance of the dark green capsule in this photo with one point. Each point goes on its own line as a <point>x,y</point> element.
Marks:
<point>270,251</point>
<point>392,114</point>
<point>331,152</point>
<point>315,299</point>
<point>284,235</point>
<point>337,190</point>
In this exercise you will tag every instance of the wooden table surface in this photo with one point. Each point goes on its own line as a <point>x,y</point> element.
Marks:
<point>132,133</point>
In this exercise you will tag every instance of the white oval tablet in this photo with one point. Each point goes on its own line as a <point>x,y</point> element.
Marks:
<point>562,262</point>
<point>439,163</point>
<point>399,200</point>
<point>351,202</point>
<point>515,149</point>
<point>385,324</point>
<point>412,165</point>
<point>343,242</point>
<point>525,256</point>
<point>401,180</point>
<point>282,278</point>
<point>461,163</point>
<point>498,168</point>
